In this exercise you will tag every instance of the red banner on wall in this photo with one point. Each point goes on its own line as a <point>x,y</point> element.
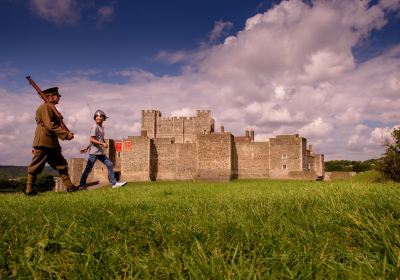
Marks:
<point>118,146</point>
<point>128,145</point>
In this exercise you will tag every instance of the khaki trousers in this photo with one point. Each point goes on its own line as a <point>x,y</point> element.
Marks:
<point>41,155</point>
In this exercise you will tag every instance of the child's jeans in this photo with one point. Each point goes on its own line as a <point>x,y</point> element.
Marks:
<point>90,163</point>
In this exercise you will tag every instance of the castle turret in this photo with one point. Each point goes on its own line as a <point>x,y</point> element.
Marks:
<point>149,122</point>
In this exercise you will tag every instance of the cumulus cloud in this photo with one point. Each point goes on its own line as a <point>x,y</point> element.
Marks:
<point>184,112</point>
<point>290,70</point>
<point>367,139</point>
<point>317,127</point>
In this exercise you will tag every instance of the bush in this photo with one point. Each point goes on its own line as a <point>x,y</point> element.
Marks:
<point>44,183</point>
<point>389,164</point>
<point>7,185</point>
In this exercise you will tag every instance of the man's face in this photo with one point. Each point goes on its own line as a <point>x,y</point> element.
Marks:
<point>99,118</point>
<point>54,98</point>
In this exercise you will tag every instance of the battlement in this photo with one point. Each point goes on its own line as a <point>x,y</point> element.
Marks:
<point>286,136</point>
<point>203,113</point>
<point>152,112</point>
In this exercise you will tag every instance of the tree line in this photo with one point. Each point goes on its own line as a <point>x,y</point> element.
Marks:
<point>350,165</point>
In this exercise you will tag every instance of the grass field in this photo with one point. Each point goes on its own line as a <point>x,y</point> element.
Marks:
<point>246,229</point>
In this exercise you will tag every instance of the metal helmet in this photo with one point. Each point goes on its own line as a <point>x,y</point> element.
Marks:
<point>101,113</point>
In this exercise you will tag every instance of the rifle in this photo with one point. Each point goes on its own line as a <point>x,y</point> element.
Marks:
<point>52,106</point>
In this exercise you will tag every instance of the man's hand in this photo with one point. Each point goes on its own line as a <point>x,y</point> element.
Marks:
<point>70,136</point>
<point>105,145</point>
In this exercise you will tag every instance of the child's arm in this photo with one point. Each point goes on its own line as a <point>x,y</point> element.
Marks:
<point>93,140</point>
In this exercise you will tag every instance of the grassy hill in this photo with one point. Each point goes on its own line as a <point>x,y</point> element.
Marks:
<point>232,230</point>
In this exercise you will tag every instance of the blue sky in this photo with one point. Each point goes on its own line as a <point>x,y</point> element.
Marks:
<point>130,35</point>
<point>328,70</point>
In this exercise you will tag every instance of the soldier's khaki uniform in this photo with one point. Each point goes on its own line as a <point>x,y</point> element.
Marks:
<point>46,147</point>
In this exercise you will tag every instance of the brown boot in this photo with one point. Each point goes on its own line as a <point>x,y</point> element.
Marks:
<point>67,181</point>
<point>30,180</point>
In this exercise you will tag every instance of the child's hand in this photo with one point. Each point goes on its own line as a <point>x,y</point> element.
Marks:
<point>105,145</point>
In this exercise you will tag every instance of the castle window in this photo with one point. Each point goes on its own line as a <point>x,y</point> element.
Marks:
<point>309,166</point>
<point>119,154</point>
<point>284,166</point>
<point>284,156</point>
<point>204,131</point>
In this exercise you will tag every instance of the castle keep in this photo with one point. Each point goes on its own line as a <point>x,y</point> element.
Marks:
<point>189,148</point>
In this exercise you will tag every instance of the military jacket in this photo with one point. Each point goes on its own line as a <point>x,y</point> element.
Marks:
<point>48,128</point>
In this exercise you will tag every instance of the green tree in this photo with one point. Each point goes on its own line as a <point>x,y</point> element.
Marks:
<point>389,165</point>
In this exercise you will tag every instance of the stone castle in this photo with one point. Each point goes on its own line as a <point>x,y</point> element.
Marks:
<point>189,148</point>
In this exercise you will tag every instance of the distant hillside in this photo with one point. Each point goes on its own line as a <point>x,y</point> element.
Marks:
<point>13,171</point>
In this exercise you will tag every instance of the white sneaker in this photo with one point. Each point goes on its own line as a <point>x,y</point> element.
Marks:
<point>118,184</point>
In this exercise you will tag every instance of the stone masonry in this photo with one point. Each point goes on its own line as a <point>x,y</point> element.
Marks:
<point>188,148</point>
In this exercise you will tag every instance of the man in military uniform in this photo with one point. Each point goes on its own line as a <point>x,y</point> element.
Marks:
<point>46,147</point>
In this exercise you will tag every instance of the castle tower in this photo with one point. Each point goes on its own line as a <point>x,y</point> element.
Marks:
<point>149,122</point>
<point>182,129</point>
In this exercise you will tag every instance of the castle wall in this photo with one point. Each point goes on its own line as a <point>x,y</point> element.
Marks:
<point>186,161</point>
<point>165,128</point>
<point>135,160</point>
<point>302,175</point>
<point>163,159</point>
<point>251,160</point>
<point>190,131</point>
<point>319,164</point>
<point>75,169</point>
<point>310,161</point>
<point>287,153</point>
<point>214,156</point>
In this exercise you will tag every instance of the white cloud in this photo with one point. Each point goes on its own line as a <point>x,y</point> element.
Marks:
<point>137,75</point>
<point>290,70</point>
<point>56,11</point>
<point>64,12</point>
<point>367,139</point>
<point>380,135</point>
<point>317,127</point>
<point>221,28</point>
<point>184,112</point>
<point>390,4</point>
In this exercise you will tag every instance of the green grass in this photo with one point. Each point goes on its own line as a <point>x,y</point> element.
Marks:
<point>247,229</point>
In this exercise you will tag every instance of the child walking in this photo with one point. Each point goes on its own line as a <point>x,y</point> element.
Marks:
<point>96,152</point>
